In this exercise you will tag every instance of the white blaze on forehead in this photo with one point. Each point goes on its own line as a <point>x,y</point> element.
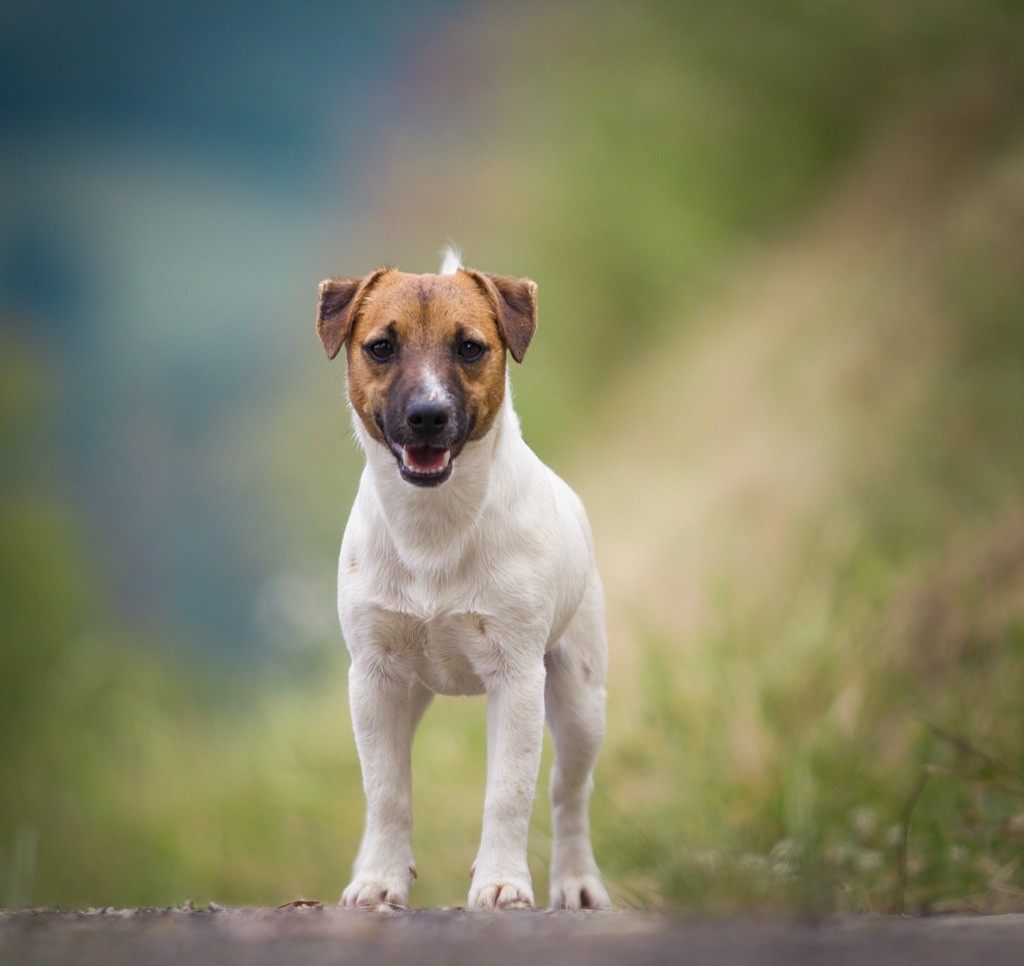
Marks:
<point>433,386</point>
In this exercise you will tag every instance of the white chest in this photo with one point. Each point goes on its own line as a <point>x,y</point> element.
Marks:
<point>452,653</point>
<point>455,655</point>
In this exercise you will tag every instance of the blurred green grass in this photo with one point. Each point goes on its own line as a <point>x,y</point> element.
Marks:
<point>780,356</point>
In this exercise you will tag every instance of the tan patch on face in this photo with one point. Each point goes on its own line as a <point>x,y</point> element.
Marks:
<point>426,318</point>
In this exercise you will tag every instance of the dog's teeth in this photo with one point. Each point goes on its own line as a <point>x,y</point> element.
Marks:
<point>425,461</point>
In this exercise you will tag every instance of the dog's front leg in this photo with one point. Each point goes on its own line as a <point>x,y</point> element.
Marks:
<point>381,718</point>
<point>515,733</point>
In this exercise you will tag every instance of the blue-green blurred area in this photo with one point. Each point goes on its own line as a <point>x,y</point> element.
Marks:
<point>780,355</point>
<point>174,174</point>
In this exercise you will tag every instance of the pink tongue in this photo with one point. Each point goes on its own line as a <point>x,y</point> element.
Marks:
<point>425,458</point>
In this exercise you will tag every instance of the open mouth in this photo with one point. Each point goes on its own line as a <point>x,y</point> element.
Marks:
<point>425,465</point>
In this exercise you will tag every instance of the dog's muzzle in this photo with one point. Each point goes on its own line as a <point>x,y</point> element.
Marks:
<point>426,441</point>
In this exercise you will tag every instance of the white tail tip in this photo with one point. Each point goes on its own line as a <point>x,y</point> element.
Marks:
<point>451,260</point>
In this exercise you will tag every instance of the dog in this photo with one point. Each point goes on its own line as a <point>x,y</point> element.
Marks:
<point>466,567</point>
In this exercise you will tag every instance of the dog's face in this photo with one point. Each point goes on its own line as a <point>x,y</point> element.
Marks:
<point>426,357</point>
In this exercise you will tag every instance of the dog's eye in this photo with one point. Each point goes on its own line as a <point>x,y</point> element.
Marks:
<point>470,351</point>
<point>381,350</point>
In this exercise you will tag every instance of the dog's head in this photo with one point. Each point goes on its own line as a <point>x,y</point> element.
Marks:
<point>426,357</point>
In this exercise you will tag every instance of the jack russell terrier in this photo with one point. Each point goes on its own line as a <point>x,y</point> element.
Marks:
<point>467,567</point>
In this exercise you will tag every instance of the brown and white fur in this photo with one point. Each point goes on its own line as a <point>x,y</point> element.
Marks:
<point>467,566</point>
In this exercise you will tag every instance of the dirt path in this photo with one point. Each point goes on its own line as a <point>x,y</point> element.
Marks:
<point>315,934</point>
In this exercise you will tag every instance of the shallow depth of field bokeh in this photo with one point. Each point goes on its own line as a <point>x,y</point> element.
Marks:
<point>780,255</point>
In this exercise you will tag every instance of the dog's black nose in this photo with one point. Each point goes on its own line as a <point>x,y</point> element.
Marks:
<point>426,416</point>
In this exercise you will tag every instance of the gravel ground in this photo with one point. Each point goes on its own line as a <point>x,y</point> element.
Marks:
<point>304,933</point>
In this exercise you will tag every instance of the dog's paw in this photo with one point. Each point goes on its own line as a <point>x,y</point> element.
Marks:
<point>376,892</point>
<point>576,892</point>
<point>511,893</point>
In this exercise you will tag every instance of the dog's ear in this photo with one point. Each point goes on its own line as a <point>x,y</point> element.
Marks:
<point>515,307</point>
<point>339,303</point>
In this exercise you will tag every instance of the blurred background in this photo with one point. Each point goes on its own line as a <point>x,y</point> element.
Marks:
<point>780,255</point>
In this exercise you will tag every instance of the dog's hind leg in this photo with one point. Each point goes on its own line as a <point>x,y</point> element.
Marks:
<point>574,701</point>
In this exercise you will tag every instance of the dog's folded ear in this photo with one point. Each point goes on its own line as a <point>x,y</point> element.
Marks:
<point>515,307</point>
<point>339,302</point>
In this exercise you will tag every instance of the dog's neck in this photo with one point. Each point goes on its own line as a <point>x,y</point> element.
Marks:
<point>429,526</point>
